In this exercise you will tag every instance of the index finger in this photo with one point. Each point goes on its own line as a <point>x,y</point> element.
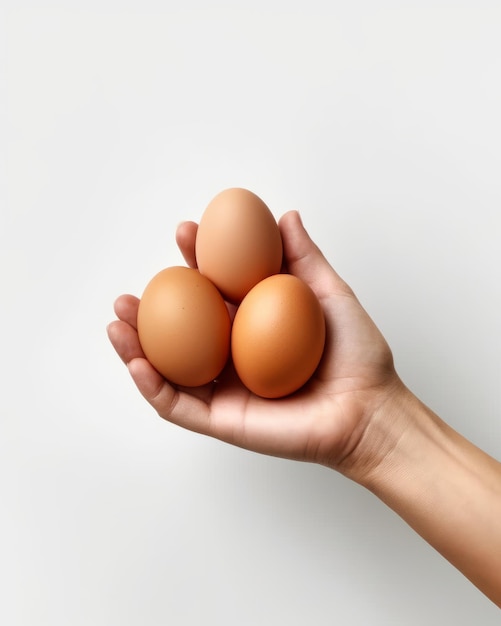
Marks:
<point>186,233</point>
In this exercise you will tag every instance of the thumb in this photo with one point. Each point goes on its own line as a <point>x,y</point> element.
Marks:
<point>305,260</point>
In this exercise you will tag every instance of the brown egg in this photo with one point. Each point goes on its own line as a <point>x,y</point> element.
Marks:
<point>238,242</point>
<point>278,336</point>
<point>184,326</point>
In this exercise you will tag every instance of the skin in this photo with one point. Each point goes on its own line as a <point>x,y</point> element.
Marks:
<point>355,416</point>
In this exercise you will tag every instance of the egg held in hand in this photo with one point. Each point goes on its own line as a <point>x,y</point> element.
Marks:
<point>184,326</point>
<point>278,336</point>
<point>238,242</point>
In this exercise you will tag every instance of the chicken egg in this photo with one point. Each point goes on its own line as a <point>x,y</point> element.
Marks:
<point>238,242</point>
<point>278,336</point>
<point>184,326</point>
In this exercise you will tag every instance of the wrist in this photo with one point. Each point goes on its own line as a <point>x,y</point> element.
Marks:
<point>410,438</point>
<point>386,424</point>
<point>443,486</point>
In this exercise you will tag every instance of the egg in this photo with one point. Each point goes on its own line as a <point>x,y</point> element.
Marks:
<point>278,336</point>
<point>184,326</point>
<point>238,242</point>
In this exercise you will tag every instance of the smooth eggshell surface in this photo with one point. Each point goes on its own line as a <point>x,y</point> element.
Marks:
<point>278,336</point>
<point>238,242</point>
<point>184,326</point>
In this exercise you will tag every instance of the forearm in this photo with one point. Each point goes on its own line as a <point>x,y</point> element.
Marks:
<point>445,488</point>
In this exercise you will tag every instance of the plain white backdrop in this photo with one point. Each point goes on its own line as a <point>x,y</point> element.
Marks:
<point>380,122</point>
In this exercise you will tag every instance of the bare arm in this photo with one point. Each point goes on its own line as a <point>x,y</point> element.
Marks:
<point>444,487</point>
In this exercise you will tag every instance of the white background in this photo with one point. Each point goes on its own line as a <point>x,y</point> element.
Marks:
<point>381,122</point>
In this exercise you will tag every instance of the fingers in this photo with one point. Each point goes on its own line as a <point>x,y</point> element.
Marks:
<point>188,410</point>
<point>305,260</point>
<point>125,308</point>
<point>123,332</point>
<point>124,339</point>
<point>185,238</point>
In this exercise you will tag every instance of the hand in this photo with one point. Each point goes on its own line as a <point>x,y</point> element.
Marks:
<point>325,421</point>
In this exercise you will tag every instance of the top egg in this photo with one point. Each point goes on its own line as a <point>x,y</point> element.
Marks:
<point>238,243</point>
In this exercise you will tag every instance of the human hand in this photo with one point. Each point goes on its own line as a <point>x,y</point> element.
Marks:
<point>323,422</point>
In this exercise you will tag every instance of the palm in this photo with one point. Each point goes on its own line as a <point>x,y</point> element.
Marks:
<point>323,420</point>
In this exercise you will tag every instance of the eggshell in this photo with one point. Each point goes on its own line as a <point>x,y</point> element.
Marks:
<point>278,336</point>
<point>184,326</point>
<point>238,242</point>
